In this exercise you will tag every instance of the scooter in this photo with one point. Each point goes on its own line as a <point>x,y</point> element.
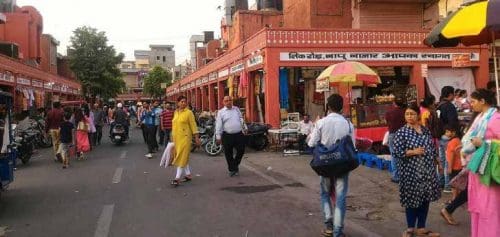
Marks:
<point>118,134</point>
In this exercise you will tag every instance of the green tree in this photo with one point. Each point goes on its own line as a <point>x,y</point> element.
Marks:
<point>95,63</point>
<point>152,82</point>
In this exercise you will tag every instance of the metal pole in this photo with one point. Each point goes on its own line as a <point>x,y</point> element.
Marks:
<point>495,63</point>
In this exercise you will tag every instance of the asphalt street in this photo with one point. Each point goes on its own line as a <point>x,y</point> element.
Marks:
<point>116,191</point>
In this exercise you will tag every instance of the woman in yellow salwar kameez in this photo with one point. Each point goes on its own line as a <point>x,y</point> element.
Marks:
<point>183,129</point>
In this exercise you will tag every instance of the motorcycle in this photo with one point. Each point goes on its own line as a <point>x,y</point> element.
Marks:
<point>42,138</point>
<point>257,136</point>
<point>212,148</point>
<point>118,134</point>
<point>24,141</point>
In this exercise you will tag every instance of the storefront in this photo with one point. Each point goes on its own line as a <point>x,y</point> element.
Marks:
<point>33,88</point>
<point>276,74</point>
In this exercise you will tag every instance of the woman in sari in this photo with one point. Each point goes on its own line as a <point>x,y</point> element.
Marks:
<point>484,201</point>
<point>183,129</point>
<point>82,130</point>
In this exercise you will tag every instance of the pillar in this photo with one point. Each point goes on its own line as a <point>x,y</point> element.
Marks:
<point>220,93</point>
<point>481,73</point>
<point>250,101</point>
<point>199,104</point>
<point>271,78</point>
<point>204,98</point>
<point>417,79</point>
<point>211,97</point>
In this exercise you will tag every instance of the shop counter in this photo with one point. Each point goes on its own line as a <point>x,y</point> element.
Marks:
<point>376,134</point>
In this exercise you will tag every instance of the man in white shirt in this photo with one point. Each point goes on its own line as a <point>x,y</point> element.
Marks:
<point>327,131</point>
<point>229,130</point>
<point>305,128</point>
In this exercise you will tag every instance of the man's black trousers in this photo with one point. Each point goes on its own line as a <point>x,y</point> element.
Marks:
<point>231,141</point>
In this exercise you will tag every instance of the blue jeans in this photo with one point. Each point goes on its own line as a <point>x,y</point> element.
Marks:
<point>394,168</point>
<point>334,217</point>
<point>444,178</point>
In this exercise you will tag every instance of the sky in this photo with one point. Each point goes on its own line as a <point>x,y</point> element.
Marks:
<point>132,24</point>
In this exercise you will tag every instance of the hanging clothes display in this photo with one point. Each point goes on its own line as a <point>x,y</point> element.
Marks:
<point>243,85</point>
<point>284,97</point>
<point>257,83</point>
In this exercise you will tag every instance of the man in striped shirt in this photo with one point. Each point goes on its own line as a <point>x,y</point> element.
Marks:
<point>166,122</point>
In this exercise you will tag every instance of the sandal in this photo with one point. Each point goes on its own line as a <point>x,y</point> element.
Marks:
<point>175,183</point>
<point>448,217</point>
<point>327,233</point>
<point>425,232</point>
<point>187,179</point>
<point>408,233</point>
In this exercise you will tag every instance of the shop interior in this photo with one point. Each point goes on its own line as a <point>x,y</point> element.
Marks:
<point>367,104</point>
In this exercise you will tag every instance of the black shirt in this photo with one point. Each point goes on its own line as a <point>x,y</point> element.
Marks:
<point>120,117</point>
<point>67,132</point>
<point>448,113</point>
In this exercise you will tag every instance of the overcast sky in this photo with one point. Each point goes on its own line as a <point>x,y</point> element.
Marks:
<point>132,24</point>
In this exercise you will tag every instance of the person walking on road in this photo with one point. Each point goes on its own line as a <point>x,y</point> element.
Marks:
<point>395,120</point>
<point>183,129</point>
<point>53,122</point>
<point>148,126</point>
<point>82,130</point>
<point>418,185</point>
<point>229,130</point>
<point>327,131</point>
<point>166,122</point>
<point>448,116</point>
<point>99,123</point>
<point>67,139</point>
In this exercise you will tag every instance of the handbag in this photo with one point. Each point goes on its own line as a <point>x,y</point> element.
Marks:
<point>460,180</point>
<point>336,160</point>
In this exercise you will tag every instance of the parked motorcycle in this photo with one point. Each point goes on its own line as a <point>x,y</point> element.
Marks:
<point>24,141</point>
<point>42,138</point>
<point>257,136</point>
<point>118,134</point>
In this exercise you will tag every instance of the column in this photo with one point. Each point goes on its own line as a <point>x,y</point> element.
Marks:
<point>204,98</point>
<point>211,97</point>
<point>220,93</point>
<point>271,87</point>
<point>417,79</point>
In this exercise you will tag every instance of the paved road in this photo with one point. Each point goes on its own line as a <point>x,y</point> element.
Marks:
<point>118,192</point>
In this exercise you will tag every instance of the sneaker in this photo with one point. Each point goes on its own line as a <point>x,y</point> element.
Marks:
<point>232,173</point>
<point>447,190</point>
<point>149,155</point>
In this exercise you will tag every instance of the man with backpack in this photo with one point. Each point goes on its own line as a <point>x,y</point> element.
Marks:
<point>448,116</point>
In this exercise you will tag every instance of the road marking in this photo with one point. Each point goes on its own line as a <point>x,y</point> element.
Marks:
<point>123,155</point>
<point>104,221</point>
<point>118,175</point>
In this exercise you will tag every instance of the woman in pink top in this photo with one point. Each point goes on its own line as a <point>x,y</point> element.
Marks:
<point>484,201</point>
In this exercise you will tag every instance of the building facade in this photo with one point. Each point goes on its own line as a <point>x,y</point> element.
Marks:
<point>272,72</point>
<point>29,66</point>
<point>162,55</point>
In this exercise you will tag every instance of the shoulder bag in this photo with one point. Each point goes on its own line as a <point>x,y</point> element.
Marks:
<point>336,160</point>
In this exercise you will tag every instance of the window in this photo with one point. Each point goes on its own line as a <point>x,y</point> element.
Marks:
<point>164,58</point>
<point>158,58</point>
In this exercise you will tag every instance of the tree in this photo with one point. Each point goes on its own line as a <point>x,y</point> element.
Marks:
<point>152,82</point>
<point>95,63</point>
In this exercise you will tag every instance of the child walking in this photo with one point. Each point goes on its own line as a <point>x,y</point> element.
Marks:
<point>453,154</point>
<point>67,138</point>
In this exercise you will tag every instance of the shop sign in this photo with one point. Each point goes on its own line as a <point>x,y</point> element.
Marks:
<point>56,87</point>
<point>23,81</point>
<point>460,60</point>
<point>370,56</point>
<point>322,85</point>
<point>198,82</point>
<point>223,73</point>
<point>212,76</point>
<point>36,83</point>
<point>204,80</point>
<point>7,76</point>
<point>48,85</point>
<point>425,70</point>
<point>64,88</point>
<point>236,68</point>
<point>255,61</point>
